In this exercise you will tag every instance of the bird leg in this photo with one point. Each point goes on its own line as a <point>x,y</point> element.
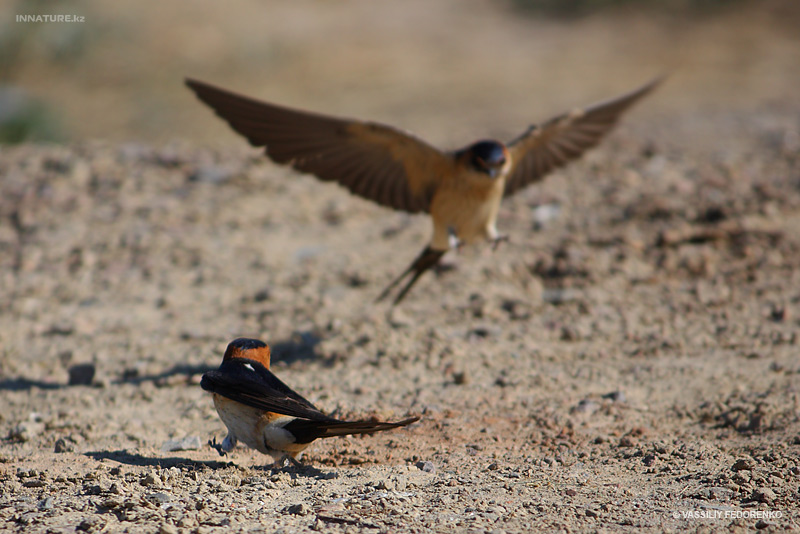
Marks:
<point>453,240</point>
<point>225,447</point>
<point>217,446</point>
<point>294,461</point>
<point>427,259</point>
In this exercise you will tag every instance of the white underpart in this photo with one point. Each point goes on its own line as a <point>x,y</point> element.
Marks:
<point>241,423</point>
<point>276,437</point>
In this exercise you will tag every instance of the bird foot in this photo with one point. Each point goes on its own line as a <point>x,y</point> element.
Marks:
<point>499,239</point>
<point>281,462</point>
<point>217,446</point>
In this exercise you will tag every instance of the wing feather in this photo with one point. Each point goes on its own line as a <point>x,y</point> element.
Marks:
<point>384,164</point>
<point>542,148</point>
<point>250,383</point>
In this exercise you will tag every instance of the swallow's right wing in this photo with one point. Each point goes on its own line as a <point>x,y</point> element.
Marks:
<point>250,383</point>
<point>374,161</point>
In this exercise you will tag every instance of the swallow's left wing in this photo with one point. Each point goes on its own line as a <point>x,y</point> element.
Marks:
<point>374,161</point>
<point>545,147</point>
<point>250,383</point>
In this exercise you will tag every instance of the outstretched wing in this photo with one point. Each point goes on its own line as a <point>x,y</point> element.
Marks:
<point>377,162</point>
<point>545,147</point>
<point>250,383</point>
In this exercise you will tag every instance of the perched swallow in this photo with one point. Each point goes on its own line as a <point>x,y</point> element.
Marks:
<point>460,189</point>
<point>264,413</point>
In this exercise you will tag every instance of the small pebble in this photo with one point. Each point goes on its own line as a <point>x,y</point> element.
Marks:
<point>81,374</point>
<point>92,489</point>
<point>189,443</point>
<point>387,485</point>
<point>765,495</point>
<point>742,464</point>
<point>398,319</point>
<point>63,445</point>
<point>400,483</point>
<point>26,431</point>
<point>544,213</point>
<point>160,498</point>
<point>299,509</point>
<point>426,467</point>
<point>587,406</point>
<point>90,524</point>
<point>112,503</point>
<point>615,396</point>
<point>212,175</point>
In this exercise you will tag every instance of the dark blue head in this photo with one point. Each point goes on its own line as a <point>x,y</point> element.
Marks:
<point>488,157</point>
<point>244,343</point>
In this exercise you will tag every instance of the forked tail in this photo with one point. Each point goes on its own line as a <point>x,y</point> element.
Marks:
<point>427,259</point>
<point>306,431</point>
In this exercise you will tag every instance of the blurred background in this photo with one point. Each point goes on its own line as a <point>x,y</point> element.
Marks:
<point>449,70</point>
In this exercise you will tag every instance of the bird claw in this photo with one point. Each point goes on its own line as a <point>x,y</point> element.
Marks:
<point>217,446</point>
<point>499,239</point>
<point>281,462</point>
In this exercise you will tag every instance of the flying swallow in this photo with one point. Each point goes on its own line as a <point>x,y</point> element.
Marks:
<point>264,413</point>
<point>460,189</point>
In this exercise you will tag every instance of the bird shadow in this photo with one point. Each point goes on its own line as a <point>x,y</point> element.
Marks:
<point>300,347</point>
<point>297,471</point>
<point>130,376</point>
<point>127,457</point>
<point>131,458</point>
<point>19,384</point>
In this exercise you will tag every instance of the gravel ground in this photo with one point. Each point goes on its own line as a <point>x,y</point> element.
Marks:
<point>628,361</point>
